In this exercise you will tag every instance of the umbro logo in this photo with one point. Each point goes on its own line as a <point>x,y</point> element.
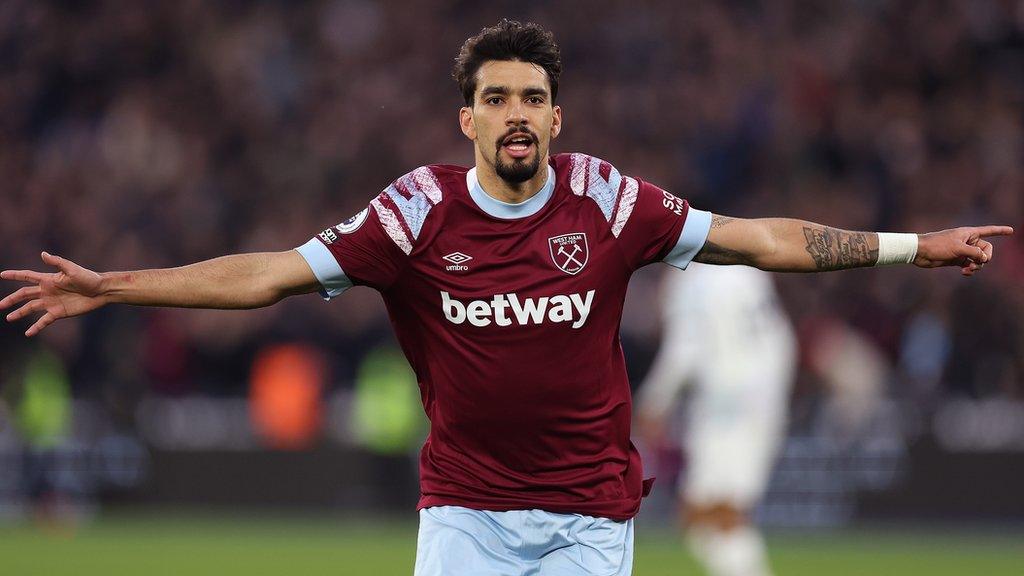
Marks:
<point>458,262</point>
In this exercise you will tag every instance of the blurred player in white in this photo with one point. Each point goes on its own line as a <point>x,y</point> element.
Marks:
<point>726,338</point>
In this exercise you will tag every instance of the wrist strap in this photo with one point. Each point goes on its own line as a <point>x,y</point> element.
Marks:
<point>896,248</point>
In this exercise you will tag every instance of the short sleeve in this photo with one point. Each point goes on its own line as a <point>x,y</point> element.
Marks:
<point>663,227</point>
<point>650,224</point>
<point>356,252</point>
<point>372,247</point>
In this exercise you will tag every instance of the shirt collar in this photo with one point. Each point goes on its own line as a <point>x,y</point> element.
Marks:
<point>505,210</point>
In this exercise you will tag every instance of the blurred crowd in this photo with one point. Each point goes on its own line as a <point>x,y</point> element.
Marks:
<point>153,134</point>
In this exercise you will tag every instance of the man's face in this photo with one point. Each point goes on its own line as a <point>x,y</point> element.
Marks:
<point>512,120</point>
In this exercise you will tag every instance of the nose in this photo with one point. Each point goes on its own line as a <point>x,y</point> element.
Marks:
<point>516,114</point>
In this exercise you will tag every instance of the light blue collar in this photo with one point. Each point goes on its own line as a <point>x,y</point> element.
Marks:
<point>504,210</point>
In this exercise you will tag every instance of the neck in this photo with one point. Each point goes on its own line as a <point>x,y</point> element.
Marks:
<point>500,189</point>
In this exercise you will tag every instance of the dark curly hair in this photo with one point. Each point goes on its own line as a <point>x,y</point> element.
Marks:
<point>509,41</point>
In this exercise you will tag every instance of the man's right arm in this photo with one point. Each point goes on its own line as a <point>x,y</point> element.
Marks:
<point>229,282</point>
<point>237,281</point>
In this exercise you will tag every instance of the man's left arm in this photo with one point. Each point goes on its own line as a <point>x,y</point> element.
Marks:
<point>788,245</point>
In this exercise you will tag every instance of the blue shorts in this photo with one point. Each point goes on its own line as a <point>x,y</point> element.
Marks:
<point>454,541</point>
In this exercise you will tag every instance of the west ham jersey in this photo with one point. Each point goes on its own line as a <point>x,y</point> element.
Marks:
<point>509,315</point>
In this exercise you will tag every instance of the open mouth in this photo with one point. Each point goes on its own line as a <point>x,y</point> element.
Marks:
<point>518,145</point>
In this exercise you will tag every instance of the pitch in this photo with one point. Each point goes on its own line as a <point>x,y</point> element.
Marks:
<point>160,544</point>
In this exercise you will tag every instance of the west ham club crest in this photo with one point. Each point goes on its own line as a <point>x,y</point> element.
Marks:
<point>569,252</point>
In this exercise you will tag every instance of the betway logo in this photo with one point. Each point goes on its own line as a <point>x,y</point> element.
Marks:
<point>506,309</point>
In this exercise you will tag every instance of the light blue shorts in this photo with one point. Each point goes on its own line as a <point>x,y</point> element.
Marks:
<point>455,541</point>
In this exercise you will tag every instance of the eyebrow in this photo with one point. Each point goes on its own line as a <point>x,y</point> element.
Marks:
<point>505,91</point>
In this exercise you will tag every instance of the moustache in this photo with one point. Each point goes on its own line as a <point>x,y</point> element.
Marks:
<point>518,132</point>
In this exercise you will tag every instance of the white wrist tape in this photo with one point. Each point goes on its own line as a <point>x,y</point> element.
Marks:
<point>896,248</point>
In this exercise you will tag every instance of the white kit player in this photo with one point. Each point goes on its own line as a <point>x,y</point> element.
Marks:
<point>727,339</point>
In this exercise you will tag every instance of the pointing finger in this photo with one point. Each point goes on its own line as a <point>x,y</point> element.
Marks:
<point>993,230</point>
<point>20,295</point>
<point>23,275</point>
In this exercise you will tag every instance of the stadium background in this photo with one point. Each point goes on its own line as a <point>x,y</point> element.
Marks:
<point>151,134</point>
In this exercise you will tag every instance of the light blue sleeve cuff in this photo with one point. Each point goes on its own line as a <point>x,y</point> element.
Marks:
<point>325,267</point>
<point>691,239</point>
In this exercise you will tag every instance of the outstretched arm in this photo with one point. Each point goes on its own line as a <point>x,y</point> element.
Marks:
<point>787,245</point>
<point>237,281</point>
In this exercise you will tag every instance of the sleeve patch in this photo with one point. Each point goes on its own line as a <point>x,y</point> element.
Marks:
<point>414,209</point>
<point>627,199</point>
<point>391,225</point>
<point>404,205</point>
<point>596,179</point>
<point>423,181</point>
<point>613,193</point>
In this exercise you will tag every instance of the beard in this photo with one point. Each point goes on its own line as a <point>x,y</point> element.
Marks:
<point>520,169</point>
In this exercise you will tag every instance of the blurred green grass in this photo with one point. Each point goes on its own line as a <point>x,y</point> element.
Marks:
<point>161,544</point>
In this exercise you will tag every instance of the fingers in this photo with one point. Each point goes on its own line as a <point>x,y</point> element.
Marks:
<point>33,306</point>
<point>973,252</point>
<point>986,248</point>
<point>968,266</point>
<point>43,322</point>
<point>31,275</point>
<point>20,295</point>
<point>56,261</point>
<point>993,230</point>
<point>23,275</point>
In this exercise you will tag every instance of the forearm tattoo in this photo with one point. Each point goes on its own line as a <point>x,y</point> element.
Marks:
<point>834,249</point>
<point>719,221</point>
<point>712,253</point>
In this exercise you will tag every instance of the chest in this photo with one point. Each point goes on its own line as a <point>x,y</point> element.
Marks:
<point>564,251</point>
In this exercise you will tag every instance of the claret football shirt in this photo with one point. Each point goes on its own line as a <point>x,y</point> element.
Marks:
<point>509,315</point>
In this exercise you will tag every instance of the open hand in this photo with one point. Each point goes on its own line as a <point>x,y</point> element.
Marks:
<point>963,247</point>
<point>70,291</point>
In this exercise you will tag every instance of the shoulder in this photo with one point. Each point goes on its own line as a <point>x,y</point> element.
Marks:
<point>591,177</point>
<point>575,167</point>
<point>405,204</point>
<point>448,176</point>
<point>430,183</point>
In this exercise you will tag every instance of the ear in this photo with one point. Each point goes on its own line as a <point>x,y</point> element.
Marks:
<point>466,122</point>
<point>556,122</point>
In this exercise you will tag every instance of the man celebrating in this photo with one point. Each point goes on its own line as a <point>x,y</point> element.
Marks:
<point>505,285</point>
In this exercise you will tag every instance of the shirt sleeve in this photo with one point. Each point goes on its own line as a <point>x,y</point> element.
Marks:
<point>649,223</point>
<point>357,252</point>
<point>372,247</point>
<point>663,227</point>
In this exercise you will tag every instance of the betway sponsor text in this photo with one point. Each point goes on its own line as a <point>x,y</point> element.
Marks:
<point>508,309</point>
